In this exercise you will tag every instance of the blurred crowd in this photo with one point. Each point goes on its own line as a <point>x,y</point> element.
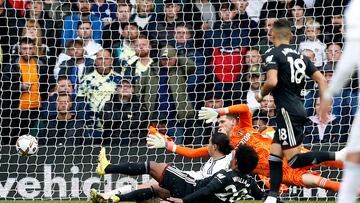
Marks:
<point>101,71</point>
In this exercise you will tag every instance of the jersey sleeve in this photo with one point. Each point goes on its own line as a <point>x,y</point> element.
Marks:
<point>243,111</point>
<point>192,153</point>
<point>310,67</point>
<point>218,182</point>
<point>270,59</point>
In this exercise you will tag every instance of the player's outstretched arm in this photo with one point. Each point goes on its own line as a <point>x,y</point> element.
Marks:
<point>269,84</point>
<point>158,141</point>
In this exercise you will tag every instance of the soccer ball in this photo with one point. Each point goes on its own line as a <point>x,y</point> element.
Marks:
<point>26,145</point>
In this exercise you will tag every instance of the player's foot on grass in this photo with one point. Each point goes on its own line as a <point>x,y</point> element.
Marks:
<point>103,162</point>
<point>341,155</point>
<point>114,199</point>
<point>93,196</point>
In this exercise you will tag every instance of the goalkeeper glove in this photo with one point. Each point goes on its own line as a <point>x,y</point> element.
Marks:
<point>155,141</point>
<point>208,114</point>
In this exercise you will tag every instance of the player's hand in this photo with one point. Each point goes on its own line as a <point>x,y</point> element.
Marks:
<point>155,141</point>
<point>25,86</point>
<point>175,200</point>
<point>258,97</point>
<point>324,110</point>
<point>208,114</point>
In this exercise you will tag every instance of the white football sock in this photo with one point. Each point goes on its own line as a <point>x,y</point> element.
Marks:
<point>350,184</point>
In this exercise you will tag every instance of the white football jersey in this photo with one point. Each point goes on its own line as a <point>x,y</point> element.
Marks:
<point>211,167</point>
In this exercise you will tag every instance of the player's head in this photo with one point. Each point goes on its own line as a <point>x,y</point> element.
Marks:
<point>281,32</point>
<point>226,124</point>
<point>219,143</point>
<point>244,159</point>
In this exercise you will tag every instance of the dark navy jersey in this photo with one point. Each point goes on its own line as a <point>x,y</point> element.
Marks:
<point>225,186</point>
<point>292,70</point>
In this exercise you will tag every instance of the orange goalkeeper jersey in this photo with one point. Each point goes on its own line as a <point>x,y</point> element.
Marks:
<point>244,133</point>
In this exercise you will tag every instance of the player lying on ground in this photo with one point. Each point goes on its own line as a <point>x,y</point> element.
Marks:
<point>218,148</point>
<point>224,186</point>
<point>241,132</point>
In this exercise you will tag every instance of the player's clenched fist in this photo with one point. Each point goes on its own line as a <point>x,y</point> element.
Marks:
<point>208,114</point>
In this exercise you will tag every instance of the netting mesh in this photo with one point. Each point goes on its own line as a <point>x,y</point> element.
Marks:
<point>80,74</point>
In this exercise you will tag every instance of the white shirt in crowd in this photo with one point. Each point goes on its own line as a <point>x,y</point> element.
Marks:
<point>318,48</point>
<point>91,49</point>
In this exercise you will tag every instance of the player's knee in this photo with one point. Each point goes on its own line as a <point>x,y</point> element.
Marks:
<point>295,162</point>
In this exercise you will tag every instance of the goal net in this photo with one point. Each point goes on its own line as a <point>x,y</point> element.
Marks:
<point>83,74</point>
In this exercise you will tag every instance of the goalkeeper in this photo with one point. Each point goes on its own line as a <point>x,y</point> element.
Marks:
<point>223,186</point>
<point>241,131</point>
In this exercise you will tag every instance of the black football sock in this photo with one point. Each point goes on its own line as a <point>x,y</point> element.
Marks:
<point>138,195</point>
<point>311,158</point>
<point>276,174</point>
<point>129,168</point>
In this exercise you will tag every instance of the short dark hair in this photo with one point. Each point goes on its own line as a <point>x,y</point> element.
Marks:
<point>247,159</point>
<point>63,77</point>
<point>282,24</point>
<point>72,43</point>
<point>83,22</point>
<point>222,141</point>
<point>227,6</point>
<point>282,28</point>
<point>124,3</point>
<point>26,40</point>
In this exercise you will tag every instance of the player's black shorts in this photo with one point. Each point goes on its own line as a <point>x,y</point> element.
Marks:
<point>177,182</point>
<point>290,130</point>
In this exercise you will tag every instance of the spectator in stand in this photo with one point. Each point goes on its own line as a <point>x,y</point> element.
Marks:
<point>310,54</point>
<point>37,12</point>
<point>63,127</point>
<point>203,11</point>
<point>267,106</point>
<point>298,19</point>
<point>25,85</point>
<point>112,32</point>
<point>124,116</point>
<point>334,31</point>
<point>265,41</point>
<point>106,9</point>
<point>9,22</point>
<point>78,65</point>
<point>226,33</point>
<point>201,15</point>
<point>163,90</point>
<point>71,22</point>
<point>252,57</point>
<point>245,20</point>
<point>125,48</point>
<point>136,68</point>
<point>97,87</point>
<point>85,32</point>
<point>32,30</point>
<point>144,13</point>
<point>185,46</point>
<point>260,122</point>
<point>63,86</point>
<point>162,28</point>
<point>312,42</point>
<point>333,52</point>
<point>255,77</point>
<point>344,104</point>
<point>329,132</point>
